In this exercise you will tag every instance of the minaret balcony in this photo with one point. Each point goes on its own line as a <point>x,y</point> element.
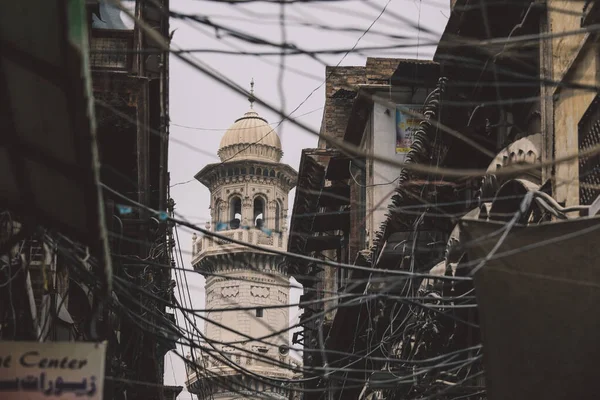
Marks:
<point>208,367</point>
<point>206,244</point>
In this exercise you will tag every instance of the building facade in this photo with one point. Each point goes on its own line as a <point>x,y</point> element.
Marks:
<point>246,349</point>
<point>342,202</point>
<point>62,293</point>
<point>498,100</point>
<point>130,79</point>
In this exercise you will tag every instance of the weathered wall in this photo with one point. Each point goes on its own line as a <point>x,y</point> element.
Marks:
<point>248,289</point>
<point>340,92</point>
<point>574,60</point>
<point>382,126</point>
<point>339,100</point>
<point>380,139</point>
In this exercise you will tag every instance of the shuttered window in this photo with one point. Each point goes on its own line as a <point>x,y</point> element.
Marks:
<point>589,167</point>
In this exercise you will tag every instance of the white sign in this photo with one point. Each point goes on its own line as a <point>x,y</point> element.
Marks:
<point>51,370</point>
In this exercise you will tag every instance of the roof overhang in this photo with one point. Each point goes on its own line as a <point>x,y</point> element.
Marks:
<point>205,174</point>
<point>466,15</point>
<point>408,76</point>
<point>48,154</point>
<point>537,298</point>
<point>311,181</point>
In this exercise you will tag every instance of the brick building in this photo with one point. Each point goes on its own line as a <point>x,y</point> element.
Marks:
<point>340,204</point>
<point>500,101</point>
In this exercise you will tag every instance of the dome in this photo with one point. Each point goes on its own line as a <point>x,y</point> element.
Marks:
<point>250,138</point>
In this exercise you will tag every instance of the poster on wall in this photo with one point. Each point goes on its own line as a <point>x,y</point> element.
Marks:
<point>56,370</point>
<point>406,127</point>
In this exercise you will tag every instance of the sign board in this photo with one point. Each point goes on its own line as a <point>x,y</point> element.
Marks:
<point>406,127</point>
<point>56,370</point>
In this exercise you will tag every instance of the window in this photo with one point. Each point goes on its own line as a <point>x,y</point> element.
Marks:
<point>277,216</point>
<point>237,171</point>
<point>235,211</point>
<point>229,172</point>
<point>258,171</point>
<point>243,171</point>
<point>259,212</point>
<point>259,312</point>
<point>272,173</point>
<point>266,172</point>
<point>251,170</point>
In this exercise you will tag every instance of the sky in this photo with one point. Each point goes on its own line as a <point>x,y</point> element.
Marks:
<point>202,109</point>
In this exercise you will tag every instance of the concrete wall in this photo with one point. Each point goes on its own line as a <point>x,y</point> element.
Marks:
<point>380,139</point>
<point>382,135</point>
<point>574,59</point>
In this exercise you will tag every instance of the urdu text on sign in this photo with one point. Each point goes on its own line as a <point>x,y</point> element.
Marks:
<point>58,370</point>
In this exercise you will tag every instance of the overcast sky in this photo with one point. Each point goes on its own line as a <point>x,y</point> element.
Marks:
<point>207,108</point>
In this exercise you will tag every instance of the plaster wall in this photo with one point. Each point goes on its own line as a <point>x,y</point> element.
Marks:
<point>383,176</point>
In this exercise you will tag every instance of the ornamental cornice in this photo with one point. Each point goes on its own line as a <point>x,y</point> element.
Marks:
<point>260,180</point>
<point>267,281</point>
<point>283,179</point>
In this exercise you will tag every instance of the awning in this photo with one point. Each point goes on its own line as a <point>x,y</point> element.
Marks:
<point>48,154</point>
<point>537,299</point>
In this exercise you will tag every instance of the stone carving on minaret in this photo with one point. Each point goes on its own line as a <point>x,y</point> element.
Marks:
<point>281,296</point>
<point>210,296</point>
<point>230,291</point>
<point>259,291</point>
<point>272,205</point>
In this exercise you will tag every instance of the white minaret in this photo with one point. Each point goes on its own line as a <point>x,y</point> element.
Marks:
<point>249,196</point>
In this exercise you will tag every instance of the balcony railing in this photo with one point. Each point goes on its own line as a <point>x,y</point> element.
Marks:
<point>111,49</point>
<point>203,244</point>
<point>208,366</point>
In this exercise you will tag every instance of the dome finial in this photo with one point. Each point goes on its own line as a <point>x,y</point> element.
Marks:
<point>251,98</point>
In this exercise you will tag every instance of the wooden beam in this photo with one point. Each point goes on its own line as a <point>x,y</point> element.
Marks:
<point>331,220</point>
<point>335,196</point>
<point>321,243</point>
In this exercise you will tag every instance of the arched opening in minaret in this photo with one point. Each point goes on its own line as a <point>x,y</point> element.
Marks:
<point>235,212</point>
<point>277,216</point>
<point>259,212</point>
<point>272,173</point>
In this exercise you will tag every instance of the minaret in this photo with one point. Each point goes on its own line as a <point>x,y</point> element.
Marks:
<point>249,196</point>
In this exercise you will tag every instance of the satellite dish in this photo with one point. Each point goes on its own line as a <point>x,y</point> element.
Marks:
<point>284,350</point>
